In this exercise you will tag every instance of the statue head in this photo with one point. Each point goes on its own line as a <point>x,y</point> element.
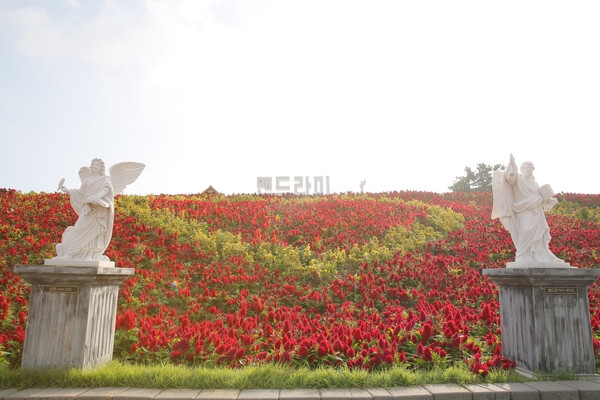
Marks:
<point>527,168</point>
<point>100,165</point>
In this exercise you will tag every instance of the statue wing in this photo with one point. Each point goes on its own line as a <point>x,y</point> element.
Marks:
<point>497,182</point>
<point>123,174</point>
<point>502,206</point>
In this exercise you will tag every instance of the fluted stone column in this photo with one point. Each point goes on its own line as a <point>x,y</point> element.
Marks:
<point>545,319</point>
<point>72,315</point>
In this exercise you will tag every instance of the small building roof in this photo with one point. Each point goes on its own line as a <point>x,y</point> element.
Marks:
<point>210,190</point>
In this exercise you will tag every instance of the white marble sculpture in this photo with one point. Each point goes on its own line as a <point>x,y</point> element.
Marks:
<point>520,204</point>
<point>93,202</point>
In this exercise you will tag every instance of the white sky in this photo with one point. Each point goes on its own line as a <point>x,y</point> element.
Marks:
<point>402,94</point>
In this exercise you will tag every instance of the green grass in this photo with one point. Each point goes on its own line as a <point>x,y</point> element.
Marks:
<point>168,376</point>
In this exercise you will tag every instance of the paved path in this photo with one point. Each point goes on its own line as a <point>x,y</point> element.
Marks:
<point>563,390</point>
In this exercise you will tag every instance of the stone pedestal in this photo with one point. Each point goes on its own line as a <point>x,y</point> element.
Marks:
<point>545,319</point>
<point>72,315</point>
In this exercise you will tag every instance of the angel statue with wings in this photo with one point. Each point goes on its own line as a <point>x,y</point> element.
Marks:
<point>94,204</point>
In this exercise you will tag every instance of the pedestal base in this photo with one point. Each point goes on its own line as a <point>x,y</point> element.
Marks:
<point>72,315</point>
<point>545,319</point>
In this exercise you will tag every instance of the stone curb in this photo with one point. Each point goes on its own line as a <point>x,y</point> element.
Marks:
<point>560,390</point>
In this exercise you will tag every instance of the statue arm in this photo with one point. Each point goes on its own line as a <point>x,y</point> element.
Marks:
<point>511,172</point>
<point>98,198</point>
<point>77,199</point>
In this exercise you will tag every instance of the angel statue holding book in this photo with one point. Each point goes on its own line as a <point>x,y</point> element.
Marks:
<point>94,204</point>
<point>520,204</point>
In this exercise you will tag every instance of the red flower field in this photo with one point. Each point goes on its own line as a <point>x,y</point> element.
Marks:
<point>367,281</point>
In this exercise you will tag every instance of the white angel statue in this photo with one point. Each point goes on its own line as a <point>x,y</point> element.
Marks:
<point>94,204</point>
<point>520,203</point>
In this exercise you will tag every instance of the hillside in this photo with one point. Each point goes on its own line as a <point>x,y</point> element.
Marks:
<point>368,281</point>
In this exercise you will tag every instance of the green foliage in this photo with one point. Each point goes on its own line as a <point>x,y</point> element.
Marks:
<point>443,220</point>
<point>575,210</point>
<point>475,181</point>
<point>188,230</point>
<point>228,245</point>
<point>288,260</point>
<point>371,251</point>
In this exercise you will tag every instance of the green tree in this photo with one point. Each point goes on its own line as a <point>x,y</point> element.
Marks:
<point>476,181</point>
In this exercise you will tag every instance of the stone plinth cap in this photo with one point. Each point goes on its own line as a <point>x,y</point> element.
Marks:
<point>53,275</point>
<point>542,276</point>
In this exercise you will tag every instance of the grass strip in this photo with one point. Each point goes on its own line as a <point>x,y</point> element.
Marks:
<point>272,376</point>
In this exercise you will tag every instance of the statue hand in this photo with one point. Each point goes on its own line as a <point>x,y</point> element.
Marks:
<point>548,204</point>
<point>60,184</point>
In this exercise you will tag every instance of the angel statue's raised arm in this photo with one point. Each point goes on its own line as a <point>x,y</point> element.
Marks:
<point>94,204</point>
